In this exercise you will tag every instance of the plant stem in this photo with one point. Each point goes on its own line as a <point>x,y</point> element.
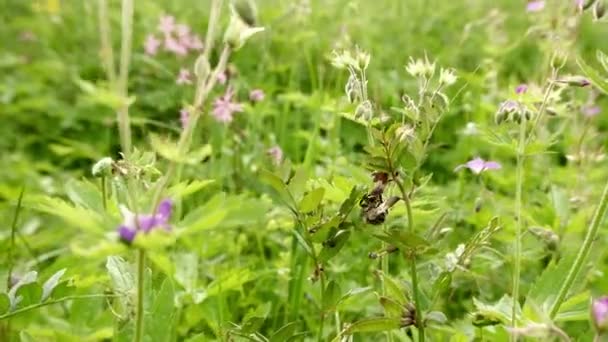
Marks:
<point>521,150</point>
<point>139,313</point>
<point>107,53</point>
<point>50,302</point>
<point>583,252</point>
<point>322,322</point>
<point>419,316</point>
<point>126,29</point>
<point>104,200</point>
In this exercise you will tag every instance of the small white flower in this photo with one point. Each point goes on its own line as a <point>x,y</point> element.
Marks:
<point>447,77</point>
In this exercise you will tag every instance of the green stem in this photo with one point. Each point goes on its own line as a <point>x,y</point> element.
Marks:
<point>107,53</point>
<point>124,125</point>
<point>139,313</point>
<point>583,252</point>
<point>322,321</point>
<point>104,200</point>
<point>50,302</point>
<point>385,272</point>
<point>419,316</point>
<point>519,217</point>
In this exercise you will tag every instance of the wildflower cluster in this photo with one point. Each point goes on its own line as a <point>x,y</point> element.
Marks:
<point>176,38</point>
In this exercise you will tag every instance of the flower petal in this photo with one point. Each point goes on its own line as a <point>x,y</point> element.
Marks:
<point>126,234</point>
<point>476,165</point>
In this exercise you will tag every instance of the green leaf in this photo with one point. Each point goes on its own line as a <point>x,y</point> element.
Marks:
<point>284,332</point>
<point>5,303</point>
<point>331,296</point>
<point>85,194</point>
<point>319,232</point>
<point>185,189</point>
<point>156,239</point>
<point>353,199</point>
<point>160,320</point>
<point>121,275</point>
<point>406,241</point>
<point>24,336</point>
<point>596,79</point>
<point>545,287</point>
<point>576,308</point>
<point>332,246</point>
<point>81,218</point>
<point>374,325</point>
<point>311,200</point>
<point>394,290</point>
<point>28,294</point>
<point>436,316</point>
<point>205,217</point>
<point>392,309</point>
<point>51,283</point>
<point>29,277</point>
<point>278,186</point>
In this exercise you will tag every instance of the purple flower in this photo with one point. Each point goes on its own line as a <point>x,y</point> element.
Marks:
<point>591,111</point>
<point>184,115</point>
<point>599,313</point>
<point>479,165</point>
<point>151,45</point>
<point>535,6</point>
<point>166,24</point>
<point>521,89</point>
<point>256,95</point>
<point>276,153</point>
<point>184,77</point>
<point>224,108</point>
<point>132,224</point>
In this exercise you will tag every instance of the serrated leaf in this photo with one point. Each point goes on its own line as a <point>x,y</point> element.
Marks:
<point>374,325</point>
<point>78,217</point>
<point>311,200</point>
<point>206,217</point>
<point>185,189</point>
<point>51,283</point>
<point>84,194</point>
<point>284,332</point>
<point>121,275</point>
<point>160,319</point>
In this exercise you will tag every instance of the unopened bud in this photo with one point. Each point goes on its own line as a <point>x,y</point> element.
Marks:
<point>362,58</point>
<point>238,31</point>
<point>599,314</point>
<point>364,110</point>
<point>559,59</point>
<point>575,81</point>
<point>202,67</point>
<point>103,167</point>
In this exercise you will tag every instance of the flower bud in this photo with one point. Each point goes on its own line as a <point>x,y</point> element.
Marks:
<point>202,67</point>
<point>599,9</point>
<point>238,31</point>
<point>575,81</point>
<point>362,58</point>
<point>599,314</point>
<point>247,11</point>
<point>559,59</point>
<point>364,110</point>
<point>103,167</point>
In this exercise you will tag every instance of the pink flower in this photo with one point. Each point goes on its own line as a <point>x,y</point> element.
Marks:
<point>222,78</point>
<point>599,314</point>
<point>224,108</point>
<point>521,89</point>
<point>151,45</point>
<point>182,30</point>
<point>579,4</point>
<point>184,115</point>
<point>256,95</point>
<point>535,6</point>
<point>167,24</point>
<point>192,42</point>
<point>174,46</point>
<point>276,153</point>
<point>479,165</point>
<point>591,111</point>
<point>184,77</point>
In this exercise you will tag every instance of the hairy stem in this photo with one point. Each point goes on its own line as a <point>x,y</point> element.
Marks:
<point>139,311</point>
<point>583,253</point>
<point>521,150</point>
<point>124,125</point>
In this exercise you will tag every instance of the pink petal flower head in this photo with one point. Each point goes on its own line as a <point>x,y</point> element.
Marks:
<point>521,89</point>
<point>166,24</point>
<point>184,77</point>
<point>535,5</point>
<point>479,165</point>
<point>276,153</point>
<point>256,95</point>
<point>173,45</point>
<point>151,45</point>
<point>222,78</point>
<point>192,42</point>
<point>182,30</point>
<point>133,224</point>
<point>224,108</point>
<point>591,111</point>
<point>599,314</point>
<point>184,115</point>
